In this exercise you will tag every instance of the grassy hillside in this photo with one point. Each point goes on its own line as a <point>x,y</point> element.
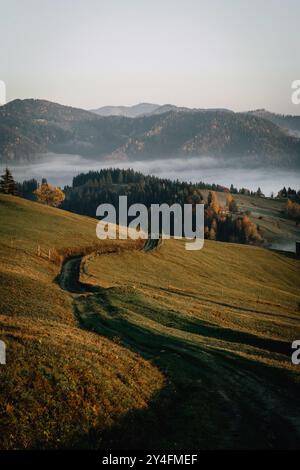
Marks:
<point>61,385</point>
<point>165,349</point>
<point>219,323</point>
<point>278,231</point>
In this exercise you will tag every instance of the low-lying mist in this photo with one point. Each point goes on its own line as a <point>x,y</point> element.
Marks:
<point>60,169</point>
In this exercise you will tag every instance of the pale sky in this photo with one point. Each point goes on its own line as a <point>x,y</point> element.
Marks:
<point>237,54</point>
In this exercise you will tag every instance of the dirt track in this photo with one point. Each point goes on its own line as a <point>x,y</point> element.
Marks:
<point>248,409</point>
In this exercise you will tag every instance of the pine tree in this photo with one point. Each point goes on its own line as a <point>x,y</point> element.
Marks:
<point>209,198</point>
<point>120,178</point>
<point>7,183</point>
<point>108,179</point>
<point>259,193</point>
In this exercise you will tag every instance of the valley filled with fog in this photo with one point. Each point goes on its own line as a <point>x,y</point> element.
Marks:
<point>60,169</point>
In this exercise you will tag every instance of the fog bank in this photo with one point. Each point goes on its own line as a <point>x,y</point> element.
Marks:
<point>60,169</point>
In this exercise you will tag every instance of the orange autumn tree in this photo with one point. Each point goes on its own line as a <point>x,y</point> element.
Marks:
<point>292,210</point>
<point>250,230</point>
<point>50,195</point>
<point>213,202</point>
<point>231,203</point>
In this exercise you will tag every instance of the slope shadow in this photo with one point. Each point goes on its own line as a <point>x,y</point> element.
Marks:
<point>208,402</point>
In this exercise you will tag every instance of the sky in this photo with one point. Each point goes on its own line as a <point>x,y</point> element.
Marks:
<point>236,54</point>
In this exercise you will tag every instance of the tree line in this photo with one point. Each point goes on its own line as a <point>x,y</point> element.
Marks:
<point>88,190</point>
<point>105,186</point>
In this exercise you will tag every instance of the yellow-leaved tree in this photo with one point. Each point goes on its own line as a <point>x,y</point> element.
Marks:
<point>292,210</point>
<point>50,195</point>
<point>231,203</point>
<point>214,204</point>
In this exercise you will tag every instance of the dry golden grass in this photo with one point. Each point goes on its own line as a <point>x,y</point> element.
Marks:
<point>220,323</point>
<point>217,323</point>
<point>233,287</point>
<point>61,386</point>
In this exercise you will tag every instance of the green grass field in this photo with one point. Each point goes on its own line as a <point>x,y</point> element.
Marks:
<point>165,349</point>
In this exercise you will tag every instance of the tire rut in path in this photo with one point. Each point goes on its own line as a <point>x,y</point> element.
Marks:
<point>265,401</point>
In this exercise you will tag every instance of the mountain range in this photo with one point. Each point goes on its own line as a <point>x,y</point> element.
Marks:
<point>291,124</point>
<point>287,122</point>
<point>29,128</point>
<point>140,109</point>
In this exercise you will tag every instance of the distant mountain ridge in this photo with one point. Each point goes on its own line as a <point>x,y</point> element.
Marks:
<point>30,127</point>
<point>286,122</point>
<point>142,109</point>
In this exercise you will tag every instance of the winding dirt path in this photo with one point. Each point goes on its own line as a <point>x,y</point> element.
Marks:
<point>69,277</point>
<point>254,410</point>
<point>70,274</point>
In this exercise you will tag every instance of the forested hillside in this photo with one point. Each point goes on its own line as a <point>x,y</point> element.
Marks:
<point>30,128</point>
